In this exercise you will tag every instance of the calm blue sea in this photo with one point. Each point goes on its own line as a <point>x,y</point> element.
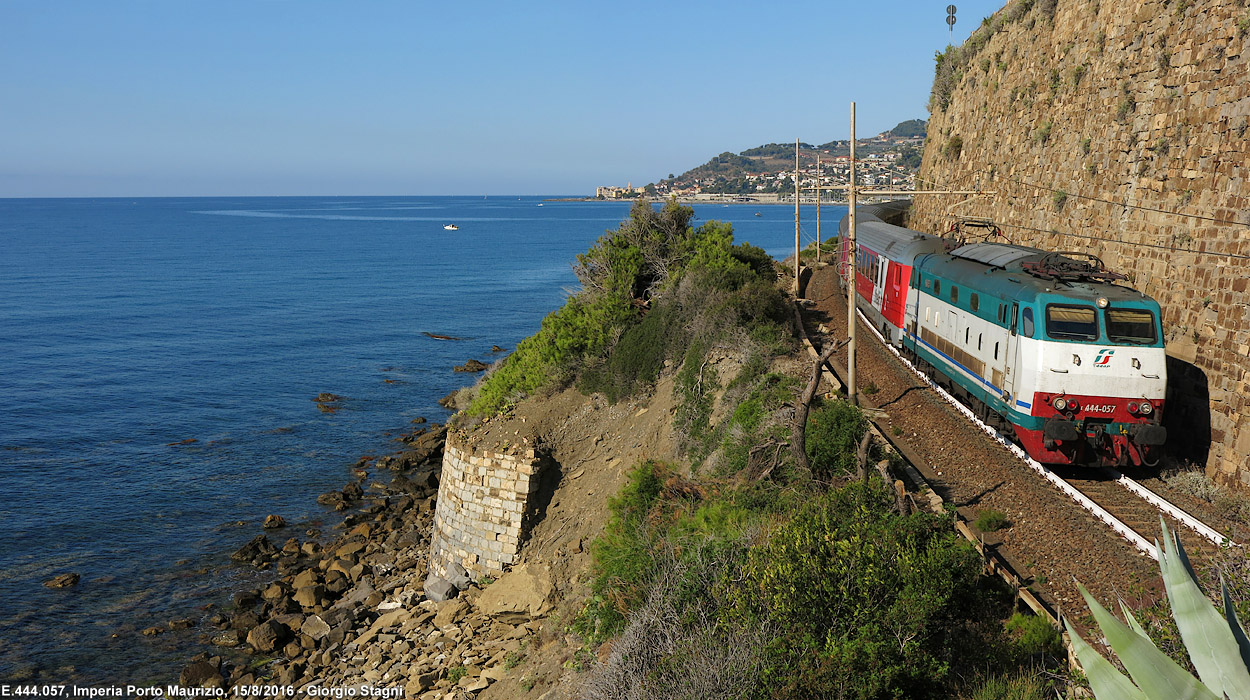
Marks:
<point>128,325</point>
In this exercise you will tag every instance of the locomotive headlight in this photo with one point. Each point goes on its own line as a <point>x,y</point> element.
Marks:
<point>1147,408</point>
<point>1102,302</point>
<point>1061,403</point>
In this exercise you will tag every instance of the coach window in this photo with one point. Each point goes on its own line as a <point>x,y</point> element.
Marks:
<point>1028,322</point>
<point>974,301</point>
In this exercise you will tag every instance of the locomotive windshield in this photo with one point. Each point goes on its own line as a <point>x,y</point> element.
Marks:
<point>1071,322</point>
<point>1131,326</point>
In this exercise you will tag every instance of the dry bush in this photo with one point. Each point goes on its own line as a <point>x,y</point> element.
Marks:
<point>674,647</point>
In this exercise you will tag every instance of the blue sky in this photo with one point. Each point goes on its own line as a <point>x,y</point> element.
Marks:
<point>301,97</point>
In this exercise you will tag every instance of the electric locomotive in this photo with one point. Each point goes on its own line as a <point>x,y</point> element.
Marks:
<point>1047,347</point>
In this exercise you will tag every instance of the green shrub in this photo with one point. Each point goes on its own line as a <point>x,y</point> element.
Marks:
<point>637,358</point>
<point>1033,634</point>
<point>624,555</point>
<point>1043,132</point>
<point>869,601</point>
<point>756,423</point>
<point>991,520</point>
<point>695,387</point>
<point>953,148</point>
<point>834,429</point>
<point>654,257</point>
<point>552,357</point>
<point>652,527</point>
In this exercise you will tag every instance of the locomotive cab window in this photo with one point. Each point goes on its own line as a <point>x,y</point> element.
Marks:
<point>1071,322</point>
<point>1027,323</point>
<point>1132,326</point>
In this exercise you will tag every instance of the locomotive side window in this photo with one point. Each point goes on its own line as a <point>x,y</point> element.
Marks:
<point>1130,326</point>
<point>1028,322</point>
<point>1071,322</point>
<point>937,287</point>
<point>974,301</point>
<point>954,295</point>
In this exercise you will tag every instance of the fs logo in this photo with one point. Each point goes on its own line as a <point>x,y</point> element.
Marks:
<point>1104,358</point>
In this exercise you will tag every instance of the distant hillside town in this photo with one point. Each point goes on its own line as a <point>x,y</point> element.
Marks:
<point>889,160</point>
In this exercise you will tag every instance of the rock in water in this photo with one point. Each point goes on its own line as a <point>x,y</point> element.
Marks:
<point>471,366</point>
<point>260,546</point>
<point>273,522</point>
<point>439,589</point>
<point>229,638</point>
<point>353,492</point>
<point>496,348</point>
<point>62,581</point>
<point>268,636</point>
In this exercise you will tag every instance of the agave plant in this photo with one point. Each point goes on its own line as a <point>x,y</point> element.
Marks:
<point>1217,645</point>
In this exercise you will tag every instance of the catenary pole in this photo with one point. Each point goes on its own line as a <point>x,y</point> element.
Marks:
<point>797,268</point>
<point>818,193</point>
<point>851,258</point>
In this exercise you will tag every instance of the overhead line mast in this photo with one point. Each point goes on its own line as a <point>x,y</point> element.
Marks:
<point>797,268</point>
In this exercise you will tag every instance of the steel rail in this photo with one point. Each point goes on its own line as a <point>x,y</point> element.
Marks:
<point>1181,516</point>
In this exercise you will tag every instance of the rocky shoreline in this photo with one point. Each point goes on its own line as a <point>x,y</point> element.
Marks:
<point>359,610</point>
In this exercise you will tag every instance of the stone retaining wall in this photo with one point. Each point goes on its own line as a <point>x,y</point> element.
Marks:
<point>1072,110</point>
<point>484,500</point>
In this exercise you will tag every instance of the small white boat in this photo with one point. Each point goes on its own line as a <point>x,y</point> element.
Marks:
<point>451,227</point>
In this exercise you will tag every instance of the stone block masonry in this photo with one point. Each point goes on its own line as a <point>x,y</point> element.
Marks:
<point>1120,128</point>
<point>484,503</point>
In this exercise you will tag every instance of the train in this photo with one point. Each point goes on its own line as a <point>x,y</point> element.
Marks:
<point>1050,348</point>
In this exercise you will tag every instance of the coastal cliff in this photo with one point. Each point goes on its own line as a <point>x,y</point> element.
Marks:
<point>1119,128</point>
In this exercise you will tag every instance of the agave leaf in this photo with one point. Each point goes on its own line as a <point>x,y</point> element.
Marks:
<point>1158,676</point>
<point>1234,624</point>
<point>1212,648</point>
<point>1106,680</point>
<point>1134,624</point>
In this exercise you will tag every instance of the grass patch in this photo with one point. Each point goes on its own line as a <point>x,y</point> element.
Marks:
<point>991,520</point>
<point>1033,635</point>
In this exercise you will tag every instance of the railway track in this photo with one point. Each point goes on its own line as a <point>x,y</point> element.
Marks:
<point>1062,524</point>
<point>1099,491</point>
